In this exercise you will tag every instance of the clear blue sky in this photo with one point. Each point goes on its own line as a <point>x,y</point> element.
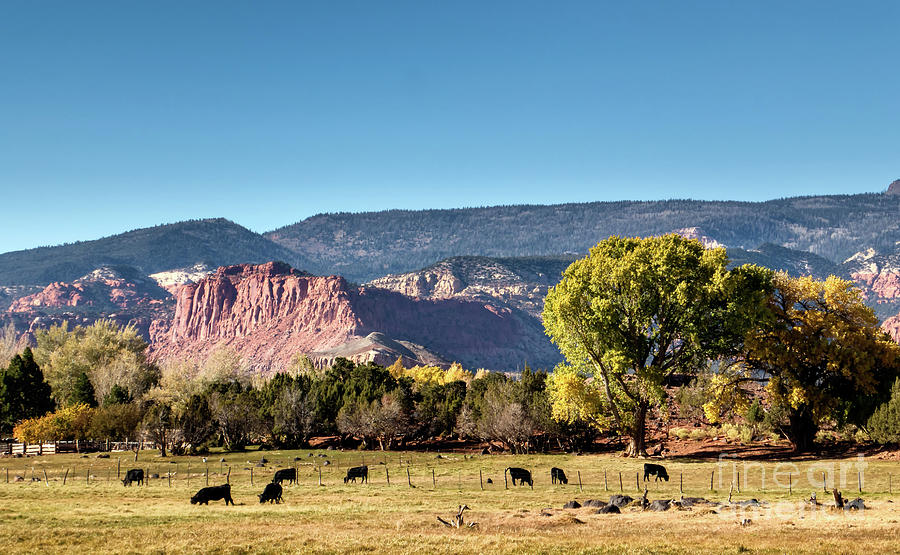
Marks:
<point>118,115</point>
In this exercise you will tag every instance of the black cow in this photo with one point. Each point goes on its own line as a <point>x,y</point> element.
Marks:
<point>357,472</point>
<point>520,474</point>
<point>657,470</point>
<point>557,475</point>
<point>289,474</point>
<point>271,493</point>
<point>213,493</point>
<point>134,475</point>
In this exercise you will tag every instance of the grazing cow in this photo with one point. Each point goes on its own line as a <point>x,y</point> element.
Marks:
<point>661,505</point>
<point>361,472</point>
<point>557,475</point>
<point>520,474</point>
<point>609,510</point>
<point>657,470</point>
<point>289,474</point>
<point>134,475</point>
<point>271,493</point>
<point>213,493</point>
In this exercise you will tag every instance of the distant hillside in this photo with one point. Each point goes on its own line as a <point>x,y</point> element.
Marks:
<point>216,242</point>
<point>796,263</point>
<point>517,283</point>
<point>368,245</point>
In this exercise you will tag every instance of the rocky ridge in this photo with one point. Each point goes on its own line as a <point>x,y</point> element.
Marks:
<point>269,313</point>
<point>116,293</point>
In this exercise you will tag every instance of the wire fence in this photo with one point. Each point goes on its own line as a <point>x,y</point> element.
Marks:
<point>417,470</point>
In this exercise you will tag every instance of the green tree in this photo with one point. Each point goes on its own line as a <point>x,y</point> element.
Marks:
<point>824,352</point>
<point>634,312</point>
<point>108,354</point>
<point>438,407</point>
<point>83,391</point>
<point>23,391</point>
<point>118,395</point>
<point>884,424</point>
<point>119,421</point>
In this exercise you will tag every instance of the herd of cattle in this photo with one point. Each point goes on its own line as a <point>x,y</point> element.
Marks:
<point>273,491</point>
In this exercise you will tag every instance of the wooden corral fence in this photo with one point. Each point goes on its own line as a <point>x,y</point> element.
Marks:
<point>77,446</point>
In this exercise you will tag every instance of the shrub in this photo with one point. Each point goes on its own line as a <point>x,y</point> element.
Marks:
<point>698,434</point>
<point>884,424</point>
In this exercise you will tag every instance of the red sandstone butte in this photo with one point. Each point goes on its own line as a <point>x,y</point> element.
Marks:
<point>271,312</point>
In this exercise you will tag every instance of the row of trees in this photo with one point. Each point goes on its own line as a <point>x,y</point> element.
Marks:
<point>378,406</point>
<point>636,314</point>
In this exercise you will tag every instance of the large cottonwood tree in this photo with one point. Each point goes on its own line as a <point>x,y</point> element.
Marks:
<point>635,311</point>
<point>823,352</point>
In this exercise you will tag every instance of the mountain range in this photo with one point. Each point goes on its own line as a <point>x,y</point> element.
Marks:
<point>435,285</point>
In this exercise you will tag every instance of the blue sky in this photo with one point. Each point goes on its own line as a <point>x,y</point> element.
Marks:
<point>119,115</point>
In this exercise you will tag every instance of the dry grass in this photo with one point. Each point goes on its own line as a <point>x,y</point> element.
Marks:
<point>336,518</point>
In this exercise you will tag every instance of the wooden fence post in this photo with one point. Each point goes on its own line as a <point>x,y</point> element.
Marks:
<point>739,481</point>
<point>64,476</point>
<point>790,483</point>
<point>711,476</point>
<point>251,475</point>
<point>637,480</point>
<point>387,475</point>
<point>824,482</point>
<point>118,468</point>
<point>433,481</point>
<point>87,475</point>
<point>319,468</point>
<point>579,480</point>
<point>170,478</point>
<point>228,477</point>
<point>408,479</point>
<point>621,489</point>
<point>46,481</point>
<point>505,481</point>
<point>481,479</point>
<point>859,481</point>
<point>605,484</point>
<point>207,475</point>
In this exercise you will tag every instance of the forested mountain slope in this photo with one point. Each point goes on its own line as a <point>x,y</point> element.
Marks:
<point>369,245</point>
<point>217,242</point>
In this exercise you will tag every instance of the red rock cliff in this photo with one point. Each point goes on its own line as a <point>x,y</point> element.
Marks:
<point>271,312</point>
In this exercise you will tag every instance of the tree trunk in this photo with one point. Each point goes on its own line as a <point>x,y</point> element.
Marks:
<point>802,433</point>
<point>637,446</point>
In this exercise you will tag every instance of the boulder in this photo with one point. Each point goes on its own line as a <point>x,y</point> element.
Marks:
<point>620,500</point>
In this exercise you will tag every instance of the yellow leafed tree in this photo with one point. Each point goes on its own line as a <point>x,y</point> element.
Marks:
<point>823,350</point>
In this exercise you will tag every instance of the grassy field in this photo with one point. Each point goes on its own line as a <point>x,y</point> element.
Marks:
<point>86,515</point>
